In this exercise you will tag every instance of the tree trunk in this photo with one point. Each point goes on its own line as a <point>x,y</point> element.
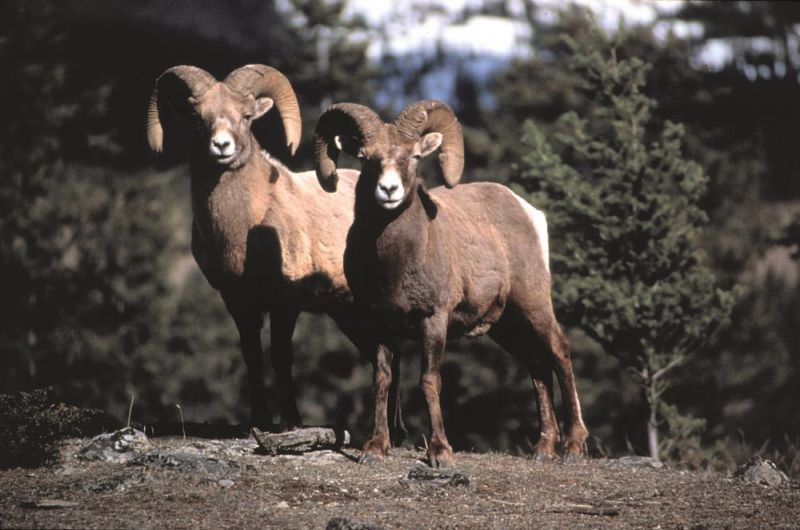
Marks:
<point>652,433</point>
<point>651,396</point>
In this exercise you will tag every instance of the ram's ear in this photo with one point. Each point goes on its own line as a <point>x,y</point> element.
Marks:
<point>263,104</point>
<point>428,204</point>
<point>429,143</point>
<point>349,144</point>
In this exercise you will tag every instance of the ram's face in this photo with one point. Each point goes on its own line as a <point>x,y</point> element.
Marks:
<point>393,171</point>
<point>223,118</point>
<point>391,165</point>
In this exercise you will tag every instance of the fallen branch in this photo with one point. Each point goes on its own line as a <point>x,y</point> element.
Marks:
<point>585,509</point>
<point>509,503</point>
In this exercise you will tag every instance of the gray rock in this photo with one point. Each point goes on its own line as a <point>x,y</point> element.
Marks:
<point>117,483</point>
<point>637,461</point>
<point>117,446</point>
<point>227,449</point>
<point>761,471</point>
<point>226,483</point>
<point>421,474</point>
<point>341,523</point>
<point>184,462</point>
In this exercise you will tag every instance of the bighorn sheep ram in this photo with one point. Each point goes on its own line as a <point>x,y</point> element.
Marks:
<point>268,239</point>
<point>446,262</point>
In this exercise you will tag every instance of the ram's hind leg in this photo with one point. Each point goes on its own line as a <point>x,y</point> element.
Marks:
<point>554,351</point>
<point>576,432</point>
<point>517,339</point>
<point>542,379</point>
<point>397,427</point>
<point>361,333</point>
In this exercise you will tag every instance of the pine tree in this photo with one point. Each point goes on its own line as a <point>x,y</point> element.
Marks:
<point>86,250</point>
<point>622,205</point>
<point>99,297</point>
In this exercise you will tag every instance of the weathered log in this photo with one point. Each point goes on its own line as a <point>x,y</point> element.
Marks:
<point>301,440</point>
<point>48,504</point>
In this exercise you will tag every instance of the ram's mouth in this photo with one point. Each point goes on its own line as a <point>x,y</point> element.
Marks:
<point>224,159</point>
<point>390,204</point>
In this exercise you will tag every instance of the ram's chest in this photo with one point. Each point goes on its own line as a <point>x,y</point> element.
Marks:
<point>227,219</point>
<point>398,297</point>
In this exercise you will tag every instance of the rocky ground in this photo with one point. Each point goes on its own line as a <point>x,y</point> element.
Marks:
<point>140,483</point>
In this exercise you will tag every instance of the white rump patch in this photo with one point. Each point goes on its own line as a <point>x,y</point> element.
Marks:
<point>539,221</point>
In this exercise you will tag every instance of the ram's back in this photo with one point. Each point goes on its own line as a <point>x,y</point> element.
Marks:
<point>495,242</point>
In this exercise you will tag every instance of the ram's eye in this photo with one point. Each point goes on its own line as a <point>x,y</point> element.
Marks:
<point>247,116</point>
<point>416,156</point>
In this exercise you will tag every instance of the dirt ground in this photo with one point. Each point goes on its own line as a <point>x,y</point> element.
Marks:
<point>231,486</point>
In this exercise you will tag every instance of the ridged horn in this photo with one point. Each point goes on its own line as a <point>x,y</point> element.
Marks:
<point>265,81</point>
<point>430,115</point>
<point>350,119</point>
<point>176,85</point>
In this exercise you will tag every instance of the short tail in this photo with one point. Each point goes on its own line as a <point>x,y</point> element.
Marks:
<point>539,222</point>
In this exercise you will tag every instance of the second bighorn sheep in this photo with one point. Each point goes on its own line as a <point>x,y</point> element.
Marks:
<point>270,240</point>
<point>443,263</point>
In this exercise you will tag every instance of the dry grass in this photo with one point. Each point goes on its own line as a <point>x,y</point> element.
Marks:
<point>307,491</point>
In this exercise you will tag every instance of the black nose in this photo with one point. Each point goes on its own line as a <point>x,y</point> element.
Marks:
<point>388,189</point>
<point>221,144</point>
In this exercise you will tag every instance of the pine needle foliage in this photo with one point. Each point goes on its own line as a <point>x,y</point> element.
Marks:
<point>625,222</point>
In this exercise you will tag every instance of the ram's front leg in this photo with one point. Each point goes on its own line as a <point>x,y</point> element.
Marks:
<point>249,321</point>
<point>282,323</point>
<point>434,335</point>
<point>378,445</point>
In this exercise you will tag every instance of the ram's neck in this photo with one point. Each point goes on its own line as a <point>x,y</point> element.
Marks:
<point>228,203</point>
<point>404,239</point>
<point>383,243</point>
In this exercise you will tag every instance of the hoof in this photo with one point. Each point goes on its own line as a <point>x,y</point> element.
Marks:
<point>397,437</point>
<point>574,458</point>
<point>367,459</point>
<point>440,463</point>
<point>440,458</point>
<point>289,427</point>
<point>543,457</point>
<point>574,451</point>
<point>291,421</point>
<point>264,426</point>
<point>375,449</point>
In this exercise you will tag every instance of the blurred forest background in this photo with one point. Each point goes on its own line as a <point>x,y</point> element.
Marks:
<point>102,299</point>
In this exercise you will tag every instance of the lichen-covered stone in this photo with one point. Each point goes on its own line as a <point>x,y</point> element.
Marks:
<point>761,471</point>
<point>117,446</point>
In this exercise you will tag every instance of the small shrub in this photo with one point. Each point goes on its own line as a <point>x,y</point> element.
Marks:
<point>33,424</point>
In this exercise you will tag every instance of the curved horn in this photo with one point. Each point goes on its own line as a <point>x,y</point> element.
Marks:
<point>431,115</point>
<point>265,81</point>
<point>175,85</point>
<point>350,119</point>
